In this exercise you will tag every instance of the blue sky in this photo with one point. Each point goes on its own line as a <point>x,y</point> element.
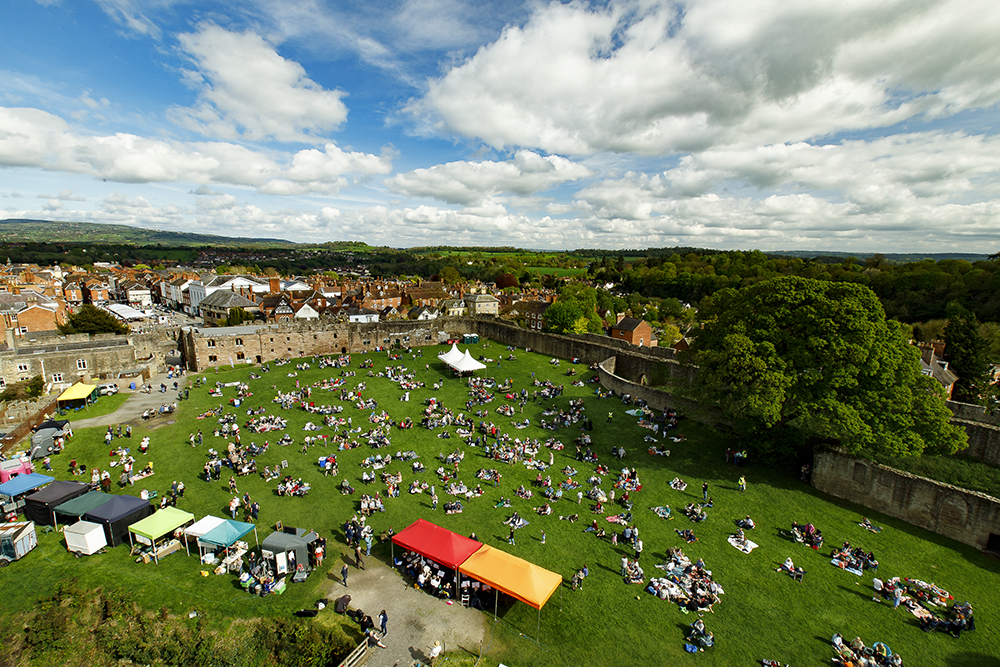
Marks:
<point>856,125</point>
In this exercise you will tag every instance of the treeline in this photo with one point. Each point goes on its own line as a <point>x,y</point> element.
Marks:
<point>910,292</point>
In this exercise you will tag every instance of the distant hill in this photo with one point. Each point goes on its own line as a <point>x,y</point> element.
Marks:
<point>51,231</point>
<point>894,257</point>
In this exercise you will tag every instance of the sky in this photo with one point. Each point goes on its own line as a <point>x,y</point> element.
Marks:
<point>841,125</point>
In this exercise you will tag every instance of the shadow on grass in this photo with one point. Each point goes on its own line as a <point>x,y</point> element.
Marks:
<point>859,591</point>
<point>970,659</point>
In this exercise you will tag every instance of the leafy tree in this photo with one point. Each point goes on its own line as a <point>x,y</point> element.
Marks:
<point>91,320</point>
<point>450,275</point>
<point>562,316</point>
<point>506,280</point>
<point>794,362</point>
<point>968,357</point>
<point>236,317</point>
<point>670,307</point>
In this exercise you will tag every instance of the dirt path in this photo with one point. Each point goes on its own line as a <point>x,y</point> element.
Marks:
<point>416,619</point>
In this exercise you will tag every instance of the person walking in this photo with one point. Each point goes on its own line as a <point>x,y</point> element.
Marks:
<point>434,501</point>
<point>510,538</point>
<point>435,653</point>
<point>543,537</point>
<point>358,555</point>
<point>343,574</point>
<point>638,549</point>
<point>383,621</point>
<point>743,483</point>
<point>704,491</point>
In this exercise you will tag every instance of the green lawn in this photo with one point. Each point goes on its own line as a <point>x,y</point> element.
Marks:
<point>763,614</point>
<point>557,271</point>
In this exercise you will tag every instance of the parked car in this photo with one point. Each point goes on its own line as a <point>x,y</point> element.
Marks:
<point>107,389</point>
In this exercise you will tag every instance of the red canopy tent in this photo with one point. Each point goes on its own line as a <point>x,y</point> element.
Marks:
<point>436,543</point>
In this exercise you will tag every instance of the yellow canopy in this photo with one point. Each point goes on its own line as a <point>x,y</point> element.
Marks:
<point>78,391</point>
<point>514,576</point>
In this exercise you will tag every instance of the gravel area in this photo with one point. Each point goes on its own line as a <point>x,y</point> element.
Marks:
<point>416,619</point>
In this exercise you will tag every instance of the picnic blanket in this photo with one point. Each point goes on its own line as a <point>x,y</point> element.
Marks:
<point>746,548</point>
<point>852,570</point>
<point>663,512</point>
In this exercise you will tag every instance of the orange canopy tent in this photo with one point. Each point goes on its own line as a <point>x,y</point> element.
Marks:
<point>514,576</point>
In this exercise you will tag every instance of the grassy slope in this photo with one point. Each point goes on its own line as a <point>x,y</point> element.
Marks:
<point>763,614</point>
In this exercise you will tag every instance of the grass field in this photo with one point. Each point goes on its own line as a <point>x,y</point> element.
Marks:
<point>557,271</point>
<point>762,614</point>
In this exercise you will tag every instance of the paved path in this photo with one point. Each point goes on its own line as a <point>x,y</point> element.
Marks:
<point>416,619</point>
<point>131,410</point>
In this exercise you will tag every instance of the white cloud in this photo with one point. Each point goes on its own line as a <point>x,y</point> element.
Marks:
<point>246,89</point>
<point>471,183</point>
<point>136,23</point>
<point>653,78</point>
<point>33,138</point>
<point>64,195</point>
<point>911,172</point>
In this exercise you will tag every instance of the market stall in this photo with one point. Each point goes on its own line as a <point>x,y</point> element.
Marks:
<point>228,536</point>
<point>80,505</point>
<point>40,506</point>
<point>436,543</point>
<point>79,395</point>
<point>117,515</point>
<point>287,550</point>
<point>84,538</point>
<point>12,493</point>
<point>199,528</point>
<point>514,576</point>
<point>155,534</point>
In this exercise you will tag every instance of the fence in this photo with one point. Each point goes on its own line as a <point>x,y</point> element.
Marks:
<point>21,431</point>
<point>358,656</point>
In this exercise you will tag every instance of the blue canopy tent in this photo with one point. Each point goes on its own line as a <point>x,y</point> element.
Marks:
<point>117,515</point>
<point>227,533</point>
<point>21,485</point>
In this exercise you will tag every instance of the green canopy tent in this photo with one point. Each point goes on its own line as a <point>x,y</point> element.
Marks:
<point>154,527</point>
<point>79,506</point>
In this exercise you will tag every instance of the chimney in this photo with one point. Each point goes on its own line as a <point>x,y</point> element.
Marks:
<point>275,285</point>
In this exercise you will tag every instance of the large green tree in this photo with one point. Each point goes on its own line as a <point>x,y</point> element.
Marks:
<point>89,319</point>
<point>562,317</point>
<point>800,362</point>
<point>968,357</point>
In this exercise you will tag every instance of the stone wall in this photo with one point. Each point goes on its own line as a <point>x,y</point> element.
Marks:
<point>983,429</point>
<point>209,347</point>
<point>657,399</point>
<point>964,516</point>
<point>589,348</point>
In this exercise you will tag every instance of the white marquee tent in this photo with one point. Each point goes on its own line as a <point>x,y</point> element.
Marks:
<point>452,356</point>
<point>467,364</point>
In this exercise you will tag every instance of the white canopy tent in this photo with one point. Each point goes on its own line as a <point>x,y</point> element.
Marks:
<point>467,364</point>
<point>451,356</point>
<point>200,527</point>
